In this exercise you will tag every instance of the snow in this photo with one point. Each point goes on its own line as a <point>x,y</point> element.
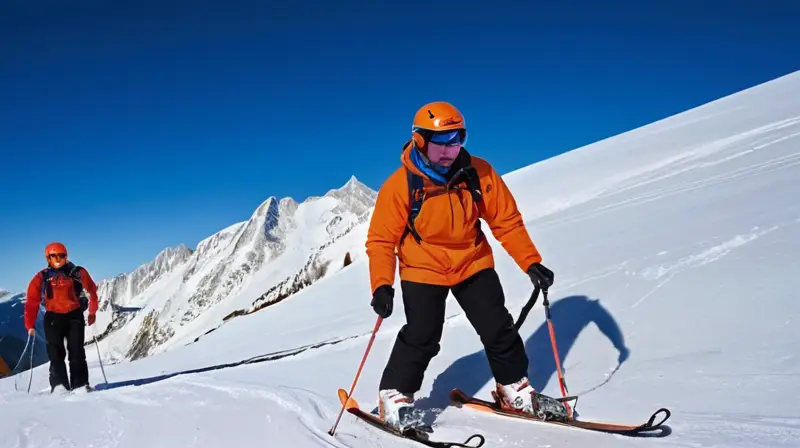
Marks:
<point>675,252</point>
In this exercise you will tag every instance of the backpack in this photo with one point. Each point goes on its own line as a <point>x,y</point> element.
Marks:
<point>417,195</point>
<point>74,274</point>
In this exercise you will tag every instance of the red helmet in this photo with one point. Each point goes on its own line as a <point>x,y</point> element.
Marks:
<point>56,254</point>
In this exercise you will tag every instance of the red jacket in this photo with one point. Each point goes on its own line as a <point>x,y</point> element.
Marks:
<point>63,298</point>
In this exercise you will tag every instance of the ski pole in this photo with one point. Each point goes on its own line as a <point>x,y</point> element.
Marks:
<point>562,382</point>
<point>99,358</point>
<point>22,356</point>
<point>33,345</point>
<point>358,373</point>
<point>19,363</point>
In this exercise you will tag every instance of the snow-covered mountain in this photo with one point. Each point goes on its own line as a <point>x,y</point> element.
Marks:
<point>675,253</point>
<point>13,337</point>
<point>184,293</point>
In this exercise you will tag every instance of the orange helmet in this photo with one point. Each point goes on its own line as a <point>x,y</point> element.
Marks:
<point>437,117</point>
<point>56,254</point>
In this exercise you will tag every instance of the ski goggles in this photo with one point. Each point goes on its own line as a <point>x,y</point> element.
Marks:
<point>449,138</point>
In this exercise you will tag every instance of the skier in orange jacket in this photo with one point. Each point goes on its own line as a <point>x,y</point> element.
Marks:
<point>61,285</point>
<point>427,217</point>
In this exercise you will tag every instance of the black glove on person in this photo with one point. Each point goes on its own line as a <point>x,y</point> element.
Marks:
<point>383,300</point>
<point>541,276</point>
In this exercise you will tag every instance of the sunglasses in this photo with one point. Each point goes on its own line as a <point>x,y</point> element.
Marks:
<point>57,255</point>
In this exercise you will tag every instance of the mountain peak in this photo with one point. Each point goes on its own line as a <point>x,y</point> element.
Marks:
<point>353,185</point>
<point>353,182</point>
<point>355,197</point>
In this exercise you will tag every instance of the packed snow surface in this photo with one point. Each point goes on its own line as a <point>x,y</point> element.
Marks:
<point>675,252</point>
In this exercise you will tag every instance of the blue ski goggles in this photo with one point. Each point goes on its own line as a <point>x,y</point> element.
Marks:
<point>449,138</point>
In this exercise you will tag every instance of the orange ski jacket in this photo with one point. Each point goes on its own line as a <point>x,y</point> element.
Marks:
<point>452,247</point>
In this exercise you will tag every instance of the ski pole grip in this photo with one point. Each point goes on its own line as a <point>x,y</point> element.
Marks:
<point>546,303</point>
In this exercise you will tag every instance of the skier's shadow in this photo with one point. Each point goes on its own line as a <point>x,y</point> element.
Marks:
<point>570,315</point>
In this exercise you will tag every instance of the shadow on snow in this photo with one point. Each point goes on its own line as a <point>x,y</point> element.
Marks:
<point>570,316</point>
<point>254,360</point>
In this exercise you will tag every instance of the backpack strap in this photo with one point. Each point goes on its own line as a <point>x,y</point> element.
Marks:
<point>416,194</point>
<point>469,175</point>
<point>47,290</point>
<point>473,181</point>
<point>74,274</point>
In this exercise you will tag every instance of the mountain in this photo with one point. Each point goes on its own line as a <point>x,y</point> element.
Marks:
<point>184,293</point>
<point>14,337</point>
<point>674,248</point>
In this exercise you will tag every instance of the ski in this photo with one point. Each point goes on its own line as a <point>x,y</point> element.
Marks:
<point>416,434</point>
<point>459,398</point>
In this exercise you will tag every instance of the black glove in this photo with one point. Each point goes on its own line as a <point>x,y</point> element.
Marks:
<point>541,276</point>
<point>382,301</point>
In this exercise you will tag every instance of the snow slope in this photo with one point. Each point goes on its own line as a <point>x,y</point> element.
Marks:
<point>675,252</point>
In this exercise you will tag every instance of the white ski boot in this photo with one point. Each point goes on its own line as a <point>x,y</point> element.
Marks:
<point>395,408</point>
<point>522,397</point>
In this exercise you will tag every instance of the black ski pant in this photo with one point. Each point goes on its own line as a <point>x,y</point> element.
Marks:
<point>482,299</point>
<point>69,327</point>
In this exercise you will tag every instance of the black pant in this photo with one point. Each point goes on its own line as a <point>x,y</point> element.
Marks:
<point>70,326</point>
<point>482,299</point>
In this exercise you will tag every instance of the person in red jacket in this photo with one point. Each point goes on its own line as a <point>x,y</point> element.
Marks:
<point>61,285</point>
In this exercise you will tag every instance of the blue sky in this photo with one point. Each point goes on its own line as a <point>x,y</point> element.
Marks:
<point>127,127</point>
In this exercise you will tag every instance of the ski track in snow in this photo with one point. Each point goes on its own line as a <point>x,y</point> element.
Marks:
<point>655,288</point>
<point>675,251</point>
<point>778,163</point>
<point>707,256</point>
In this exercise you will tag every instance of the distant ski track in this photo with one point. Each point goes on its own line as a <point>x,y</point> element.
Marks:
<point>273,356</point>
<point>606,272</point>
<point>775,164</point>
<point>709,255</point>
<point>655,288</point>
<point>267,357</point>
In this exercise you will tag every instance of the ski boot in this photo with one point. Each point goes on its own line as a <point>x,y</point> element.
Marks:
<point>59,390</point>
<point>521,396</point>
<point>397,410</point>
<point>83,389</point>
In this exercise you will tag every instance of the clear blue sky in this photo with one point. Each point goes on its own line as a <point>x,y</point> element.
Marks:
<point>127,127</point>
